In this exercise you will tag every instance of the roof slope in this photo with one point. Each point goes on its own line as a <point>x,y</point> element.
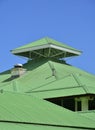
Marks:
<point>89,114</point>
<point>15,126</point>
<point>21,108</point>
<point>40,81</point>
<point>46,47</point>
<point>44,41</point>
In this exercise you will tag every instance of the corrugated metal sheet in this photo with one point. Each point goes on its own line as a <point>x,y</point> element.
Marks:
<point>15,126</point>
<point>44,79</point>
<point>46,47</point>
<point>89,114</point>
<point>58,93</point>
<point>24,108</point>
<point>44,41</point>
<point>39,81</point>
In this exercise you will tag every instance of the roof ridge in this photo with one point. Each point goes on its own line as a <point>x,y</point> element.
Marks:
<point>47,39</point>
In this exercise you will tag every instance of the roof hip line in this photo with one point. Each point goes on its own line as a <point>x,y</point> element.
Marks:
<point>77,79</point>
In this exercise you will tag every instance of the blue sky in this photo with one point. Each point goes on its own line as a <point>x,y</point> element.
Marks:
<point>68,21</point>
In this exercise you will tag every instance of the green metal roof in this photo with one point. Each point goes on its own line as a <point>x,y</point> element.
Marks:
<point>21,108</point>
<point>15,126</point>
<point>39,81</point>
<point>46,47</point>
<point>89,114</point>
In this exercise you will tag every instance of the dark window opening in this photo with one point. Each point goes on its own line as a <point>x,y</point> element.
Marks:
<point>91,104</point>
<point>78,105</point>
<point>55,101</point>
<point>68,103</point>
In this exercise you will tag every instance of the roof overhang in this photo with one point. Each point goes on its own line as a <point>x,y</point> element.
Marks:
<point>51,46</point>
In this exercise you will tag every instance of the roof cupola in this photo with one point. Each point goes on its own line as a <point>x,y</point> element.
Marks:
<point>47,48</point>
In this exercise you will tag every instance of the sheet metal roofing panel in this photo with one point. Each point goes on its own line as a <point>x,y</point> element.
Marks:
<point>67,77</point>
<point>24,108</point>
<point>58,93</point>
<point>46,47</point>
<point>44,41</point>
<point>38,78</point>
<point>89,114</point>
<point>64,83</point>
<point>15,126</point>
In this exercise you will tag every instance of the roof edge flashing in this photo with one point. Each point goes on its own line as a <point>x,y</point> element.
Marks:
<point>66,49</point>
<point>49,45</point>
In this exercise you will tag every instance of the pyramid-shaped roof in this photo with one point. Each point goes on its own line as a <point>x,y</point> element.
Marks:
<point>46,76</point>
<point>24,109</point>
<point>46,47</point>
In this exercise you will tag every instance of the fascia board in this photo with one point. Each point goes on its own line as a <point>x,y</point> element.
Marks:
<point>29,49</point>
<point>65,49</point>
<point>46,46</point>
